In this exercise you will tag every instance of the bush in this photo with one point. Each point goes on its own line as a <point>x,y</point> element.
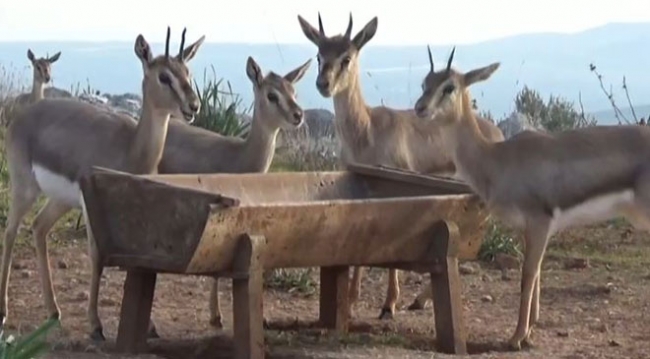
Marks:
<point>557,114</point>
<point>498,240</point>
<point>219,108</point>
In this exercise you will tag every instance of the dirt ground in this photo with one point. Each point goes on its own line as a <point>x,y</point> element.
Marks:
<point>598,310</point>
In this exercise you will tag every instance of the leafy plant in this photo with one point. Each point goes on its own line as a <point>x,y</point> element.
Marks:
<point>219,108</point>
<point>498,240</point>
<point>291,280</point>
<point>29,347</point>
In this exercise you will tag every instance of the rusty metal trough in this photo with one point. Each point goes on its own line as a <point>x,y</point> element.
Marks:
<point>237,225</point>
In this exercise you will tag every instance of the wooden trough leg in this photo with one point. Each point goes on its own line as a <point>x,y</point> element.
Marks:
<point>136,311</point>
<point>334,301</point>
<point>248,313</point>
<point>447,302</point>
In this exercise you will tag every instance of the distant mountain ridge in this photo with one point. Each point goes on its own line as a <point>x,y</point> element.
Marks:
<point>547,62</point>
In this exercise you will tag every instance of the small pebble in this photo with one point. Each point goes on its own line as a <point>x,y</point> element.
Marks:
<point>487,298</point>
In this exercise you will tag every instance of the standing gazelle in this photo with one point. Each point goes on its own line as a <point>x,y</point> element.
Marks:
<point>537,182</point>
<point>55,142</point>
<point>42,68</point>
<point>191,149</point>
<point>376,135</point>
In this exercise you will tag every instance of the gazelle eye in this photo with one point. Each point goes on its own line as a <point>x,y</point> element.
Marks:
<point>164,79</point>
<point>272,97</point>
<point>346,61</point>
<point>448,89</point>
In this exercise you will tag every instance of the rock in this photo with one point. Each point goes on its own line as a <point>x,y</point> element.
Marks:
<point>62,264</point>
<point>467,268</point>
<point>107,302</point>
<point>18,265</point>
<point>25,274</point>
<point>83,295</point>
<point>514,124</point>
<point>614,343</point>
<point>506,261</point>
<point>576,263</point>
<point>487,299</point>
<point>562,333</point>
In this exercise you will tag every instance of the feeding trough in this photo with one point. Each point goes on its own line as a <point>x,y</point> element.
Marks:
<point>238,225</point>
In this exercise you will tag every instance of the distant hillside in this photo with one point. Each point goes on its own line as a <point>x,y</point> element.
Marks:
<point>549,63</point>
<point>608,116</point>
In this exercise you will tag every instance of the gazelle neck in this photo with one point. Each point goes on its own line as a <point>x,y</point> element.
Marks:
<point>149,140</point>
<point>350,107</point>
<point>468,146</point>
<point>259,145</point>
<point>38,90</point>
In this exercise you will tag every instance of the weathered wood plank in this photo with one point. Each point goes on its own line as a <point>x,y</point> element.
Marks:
<point>334,306</point>
<point>137,300</point>
<point>248,316</point>
<point>446,286</point>
<point>334,233</point>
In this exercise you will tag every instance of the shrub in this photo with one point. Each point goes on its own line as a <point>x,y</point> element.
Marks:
<point>219,108</point>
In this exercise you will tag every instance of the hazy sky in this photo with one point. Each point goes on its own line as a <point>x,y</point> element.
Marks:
<point>400,22</point>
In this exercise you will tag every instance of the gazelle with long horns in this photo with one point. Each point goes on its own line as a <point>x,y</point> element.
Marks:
<point>376,135</point>
<point>537,182</point>
<point>55,142</point>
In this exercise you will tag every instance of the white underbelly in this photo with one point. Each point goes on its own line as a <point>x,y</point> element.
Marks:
<point>594,210</point>
<point>57,187</point>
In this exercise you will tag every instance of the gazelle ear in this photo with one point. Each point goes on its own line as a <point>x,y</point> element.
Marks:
<point>254,72</point>
<point>366,34</point>
<point>480,74</point>
<point>30,55</point>
<point>190,51</point>
<point>142,51</point>
<point>310,32</point>
<point>296,74</point>
<point>52,59</point>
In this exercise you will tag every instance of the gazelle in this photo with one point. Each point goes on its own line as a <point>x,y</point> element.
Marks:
<point>55,142</point>
<point>538,182</point>
<point>191,149</point>
<point>42,76</point>
<point>376,135</point>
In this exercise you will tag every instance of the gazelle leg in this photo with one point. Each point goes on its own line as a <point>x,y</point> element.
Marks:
<point>425,296</point>
<point>392,295</point>
<point>537,233</point>
<point>46,218</point>
<point>534,309</point>
<point>215,306</point>
<point>22,199</point>
<point>96,327</point>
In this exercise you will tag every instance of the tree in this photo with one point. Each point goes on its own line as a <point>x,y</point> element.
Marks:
<point>557,114</point>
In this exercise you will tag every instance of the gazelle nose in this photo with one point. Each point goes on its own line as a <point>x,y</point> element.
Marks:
<point>323,83</point>
<point>420,109</point>
<point>195,106</point>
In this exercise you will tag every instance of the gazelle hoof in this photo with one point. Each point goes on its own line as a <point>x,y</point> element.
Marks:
<point>152,333</point>
<point>97,335</point>
<point>216,323</point>
<point>386,313</point>
<point>416,305</point>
